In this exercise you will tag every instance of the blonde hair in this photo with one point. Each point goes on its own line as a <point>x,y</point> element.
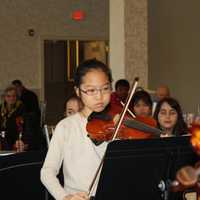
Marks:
<point>8,89</point>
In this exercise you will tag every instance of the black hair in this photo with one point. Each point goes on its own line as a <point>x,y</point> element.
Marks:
<point>17,82</point>
<point>89,65</point>
<point>122,82</point>
<point>180,127</point>
<point>73,97</point>
<point>141,95</point>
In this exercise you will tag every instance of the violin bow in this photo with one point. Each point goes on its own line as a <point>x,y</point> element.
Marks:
<point>128,110</point>
<point>117,127</point>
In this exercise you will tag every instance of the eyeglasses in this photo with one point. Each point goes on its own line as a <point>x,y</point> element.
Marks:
<point>93,92</point>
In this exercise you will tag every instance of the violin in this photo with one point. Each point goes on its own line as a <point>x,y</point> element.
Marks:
<point>188,176</point>
<point>101,125</point>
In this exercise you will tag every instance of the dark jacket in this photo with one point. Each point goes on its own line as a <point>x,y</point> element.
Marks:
<point>13,124</point>
<point>30,101</point>
<point>18,123</point>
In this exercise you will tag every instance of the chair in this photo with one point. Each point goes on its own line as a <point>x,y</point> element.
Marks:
<point>42,113</point>
<point>48,132</point>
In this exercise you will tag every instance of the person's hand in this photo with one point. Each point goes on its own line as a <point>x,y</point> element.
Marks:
<point>164,135</point>
<point>77,196</point>
<point>20,146</point>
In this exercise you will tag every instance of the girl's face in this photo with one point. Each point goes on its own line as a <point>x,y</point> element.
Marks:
<point>11,97</point>
<point>94,91</point>
<point>142,109</point>
<point>72,107</point>
<point>167,117</point>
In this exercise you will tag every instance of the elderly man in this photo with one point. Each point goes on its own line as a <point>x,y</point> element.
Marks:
<point>162,92</point>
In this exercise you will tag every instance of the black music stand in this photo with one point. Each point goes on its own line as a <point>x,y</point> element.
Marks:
<point>142,169</point>
<point>20,176</point>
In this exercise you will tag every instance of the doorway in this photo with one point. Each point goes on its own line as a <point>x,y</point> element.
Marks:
<point>61,57</point>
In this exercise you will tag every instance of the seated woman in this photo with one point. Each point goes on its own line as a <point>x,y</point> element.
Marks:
<point>169,117</point>
<point>141,104</point>
<point>12,121</point>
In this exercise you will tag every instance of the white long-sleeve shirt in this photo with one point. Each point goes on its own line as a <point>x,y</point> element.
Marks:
<point>81,158</point>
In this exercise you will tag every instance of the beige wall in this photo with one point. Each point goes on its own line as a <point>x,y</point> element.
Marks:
<point>128,40</point>
<point>174,47</point>
<point>21,55</point>
<point>136,58</point>
<point>117,39</point>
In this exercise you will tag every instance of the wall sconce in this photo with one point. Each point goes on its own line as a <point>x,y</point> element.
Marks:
<point>31,32</point>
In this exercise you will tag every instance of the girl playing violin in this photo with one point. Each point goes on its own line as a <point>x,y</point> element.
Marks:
<point>142,104</point>
<point>169,117</point>
<point>70,144</point>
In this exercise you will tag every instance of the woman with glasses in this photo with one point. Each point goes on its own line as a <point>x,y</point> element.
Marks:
<point>70,144</point>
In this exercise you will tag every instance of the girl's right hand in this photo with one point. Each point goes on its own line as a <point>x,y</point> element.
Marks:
<point>77,196</point>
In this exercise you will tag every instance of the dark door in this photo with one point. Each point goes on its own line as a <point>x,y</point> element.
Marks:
<point>57,87</point>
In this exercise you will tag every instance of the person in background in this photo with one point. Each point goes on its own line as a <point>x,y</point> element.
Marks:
<point>161,92</point>
<point>13,121</point>
<point>122,87</point>
<point>28,97</point>
<point>73,105</point>
<point>31,104</point>
<point>169,117</point>
<point>70,143</point>
<point>141,104</point>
